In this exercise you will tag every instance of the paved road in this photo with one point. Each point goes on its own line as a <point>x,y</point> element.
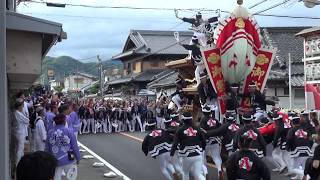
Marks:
<point>125,154</point>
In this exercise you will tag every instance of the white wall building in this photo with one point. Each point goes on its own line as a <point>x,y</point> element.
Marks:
<point>75,82</point>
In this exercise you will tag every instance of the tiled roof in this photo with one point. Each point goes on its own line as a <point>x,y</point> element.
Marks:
<point>165,81</point>
<point>155,42</point>
<point>284,39</point>
<point>145,76</point>
<point>297,81</point>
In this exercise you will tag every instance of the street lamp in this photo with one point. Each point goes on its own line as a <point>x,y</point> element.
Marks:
<point>311,3</point>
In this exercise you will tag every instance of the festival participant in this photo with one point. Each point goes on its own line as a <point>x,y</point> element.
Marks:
<point>177,100</point>
<point>196,57</point>
<point>50,115</point>
<point>90,117</point>
<point>172,127</point>
<point>279,142</point>
<point>299,143</point>
<point>314,119</point>
<point>208,123</point>
<point>158,145</point>
<point>231,98</point>
<point>227,131</point>
<point>160,115</point>
<point>40,130</point>
<point>245,164</point>
<point>81,113</point>
<point>207,94</point>
<point>191,143</point>
<point>258,142</point>
<point>73,119</point>
<point>312,165</point>
<point>305,121</point>
<point>136,115</point>
<point>63,145</point>
<point>22,128</point>
<point>256,98</point>
<point>201,27</point>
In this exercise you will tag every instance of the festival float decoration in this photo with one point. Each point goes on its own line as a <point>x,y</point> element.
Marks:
<point>237,55</point>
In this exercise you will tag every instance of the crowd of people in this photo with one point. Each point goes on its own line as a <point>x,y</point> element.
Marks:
<point>242,140</point>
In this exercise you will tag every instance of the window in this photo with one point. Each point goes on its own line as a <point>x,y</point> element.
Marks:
<point>129,68</point>
<point>299,93</point>
<point>286,91</point>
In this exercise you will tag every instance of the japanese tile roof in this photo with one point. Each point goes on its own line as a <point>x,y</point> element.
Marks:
<point>284,39</point>
<point>167,80</point>
<point>154,42</point>
<point>145,76</point>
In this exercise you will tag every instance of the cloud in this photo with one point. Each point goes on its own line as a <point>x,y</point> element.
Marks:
<point>94,31</point>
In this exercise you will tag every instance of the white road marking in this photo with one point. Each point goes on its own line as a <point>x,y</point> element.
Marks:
<point>114,169</point>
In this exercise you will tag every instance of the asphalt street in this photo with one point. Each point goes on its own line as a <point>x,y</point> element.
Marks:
<point>124,152</point>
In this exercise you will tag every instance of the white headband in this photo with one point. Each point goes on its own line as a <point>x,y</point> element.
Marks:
<point>185,118</point>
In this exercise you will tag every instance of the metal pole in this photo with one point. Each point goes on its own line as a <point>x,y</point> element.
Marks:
<point>290,89</point>
<point>101,76</point>
<point>4,131</point>
<point>304,72</point>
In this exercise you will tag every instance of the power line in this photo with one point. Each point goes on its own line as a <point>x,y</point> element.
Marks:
<point>272,7</point>
<point>156,20</point>
<point>124,7</point>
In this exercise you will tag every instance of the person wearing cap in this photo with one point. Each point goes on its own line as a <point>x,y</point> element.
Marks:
<point>40,134</point>
<point>245,164</point>
<point>61,142</point>
<point>172,124</point>
<point>22,128</point>
<point>227,131</point>
<point>258,142</point>
<point>279,142</point>
<point>299,144</point>
<point>192,143</point>
<point>158,144</point>
<point>207,123</point>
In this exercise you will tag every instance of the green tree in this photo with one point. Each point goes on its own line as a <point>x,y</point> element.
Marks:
<point>95,89</point>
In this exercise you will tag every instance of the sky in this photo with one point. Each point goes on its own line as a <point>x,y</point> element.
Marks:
<point>93,31</point>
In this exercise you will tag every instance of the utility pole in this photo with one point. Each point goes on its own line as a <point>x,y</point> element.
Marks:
<point>101,75</point>
<point>4,123</point>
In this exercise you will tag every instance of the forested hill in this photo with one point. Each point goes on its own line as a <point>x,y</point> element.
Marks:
<point>65,65</point>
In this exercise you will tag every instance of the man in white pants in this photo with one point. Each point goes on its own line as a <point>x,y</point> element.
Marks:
<point>158,144</point>
<point>22,128</point>
<point>192,143</point>
<point>213,143</point>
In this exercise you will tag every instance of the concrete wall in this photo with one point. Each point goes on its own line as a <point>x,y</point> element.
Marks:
<point>23,58</point>
<point>298,101</point>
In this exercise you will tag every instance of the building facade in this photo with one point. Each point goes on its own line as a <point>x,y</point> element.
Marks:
<point>77,81</point>
<point>144,56</point>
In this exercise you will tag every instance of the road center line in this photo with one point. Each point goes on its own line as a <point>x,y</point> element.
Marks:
<point>114,169</point>
<point>141,140</point>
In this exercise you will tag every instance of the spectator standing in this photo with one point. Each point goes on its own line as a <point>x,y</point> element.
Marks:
<point>63,145</point>
<point>22,128</point>
<point>40,130</point>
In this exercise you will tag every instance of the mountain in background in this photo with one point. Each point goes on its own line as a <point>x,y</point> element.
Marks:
<point>65,65</point>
